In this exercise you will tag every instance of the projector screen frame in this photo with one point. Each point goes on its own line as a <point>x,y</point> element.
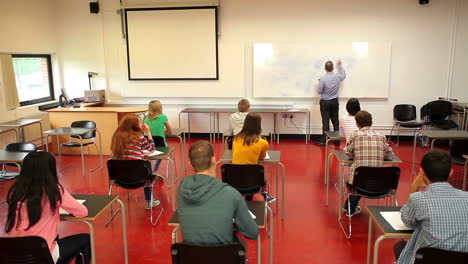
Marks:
<point>130,78</point>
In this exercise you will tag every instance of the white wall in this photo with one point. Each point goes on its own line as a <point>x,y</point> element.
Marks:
<point>28,26</point>
<point>459,85</point>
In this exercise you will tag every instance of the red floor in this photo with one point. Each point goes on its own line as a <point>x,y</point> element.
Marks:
<point>309,233</point>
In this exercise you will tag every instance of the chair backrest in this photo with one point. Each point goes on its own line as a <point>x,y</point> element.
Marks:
<point>191,254</point>
<point>21,147</point>
<point>246,178</point>
<point>159,141</point>
<point>130,174</point>
<point>439,109</point>
<point>376,182</point>
<point>404,112</point>
<point>429,255</point>
<point>24,250</point>
<point>85,124</point>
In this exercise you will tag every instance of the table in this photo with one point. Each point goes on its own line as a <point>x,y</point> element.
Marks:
<point>437,134</point>
<point>96,204</point>
<point>330,135</point>
<point>15,157</point>
<point>214,118</point>
<point>462,107</point>
<point>465,171</point>
<point>258,208</point>
<point>9,129</point>
<point>384,227</point>
<point>275,156</point>
<point>346,160</point>
<point>166,155</point>
<point>24,122</point>
<point>180,134</point>
<point>73,131</point>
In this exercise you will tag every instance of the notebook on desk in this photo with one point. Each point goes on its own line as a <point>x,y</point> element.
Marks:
<point>394,219</point>
<point>65,212</point>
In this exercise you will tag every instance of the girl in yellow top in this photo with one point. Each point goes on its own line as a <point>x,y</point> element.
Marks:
<point>248,147</point>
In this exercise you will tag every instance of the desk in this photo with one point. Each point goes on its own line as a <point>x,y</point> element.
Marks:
<point>465,171</point>
<point>15,157</point>
<point>180,134</point>
<point>214,118</point>
<point>464,108</point>
<point>437,134</point>
<point>72,131</point>
<point>384,227</point>
<point>347,160</point>
<point>166,155</point>
<point>258,208</point>
<point>10,129</point>
<point>275,156</point>
<point>330,135</point>
<point>96,204</point>
<point>24,122</point>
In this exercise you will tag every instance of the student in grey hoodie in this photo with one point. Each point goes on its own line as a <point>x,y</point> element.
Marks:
<point>208,206</point>
<point>236,120</point>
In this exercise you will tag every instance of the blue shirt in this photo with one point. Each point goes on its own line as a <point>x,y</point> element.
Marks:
<point>439,217</point>
<point>330,83</point>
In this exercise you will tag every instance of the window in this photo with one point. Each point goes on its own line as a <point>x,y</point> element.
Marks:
<point>33,74</point>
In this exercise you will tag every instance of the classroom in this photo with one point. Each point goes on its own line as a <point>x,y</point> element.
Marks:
<point>199,58</point>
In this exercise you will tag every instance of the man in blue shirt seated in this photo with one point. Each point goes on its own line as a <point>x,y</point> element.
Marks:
<point>438,214</point>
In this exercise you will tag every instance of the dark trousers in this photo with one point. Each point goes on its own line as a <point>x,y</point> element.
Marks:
<point>71,246</point>
<point>353,202</point>
<point>329,110</point>
<point>398,248</point>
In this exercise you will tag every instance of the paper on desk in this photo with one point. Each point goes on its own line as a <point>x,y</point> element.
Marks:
<point>154,153</point>
<point>293,110</point>
<point>267,156</point>
<point>65,212</point>
<point>394,219</point>
<point>252,215</point>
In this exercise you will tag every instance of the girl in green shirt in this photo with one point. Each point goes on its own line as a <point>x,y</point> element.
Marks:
<point>158,124</point>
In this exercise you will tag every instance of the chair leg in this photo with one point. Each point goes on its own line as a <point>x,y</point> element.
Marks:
<point>398,136</point>
<point>347,235</point>
<point>391,132</point>
<point>160,205</point>
<point>112,215</point>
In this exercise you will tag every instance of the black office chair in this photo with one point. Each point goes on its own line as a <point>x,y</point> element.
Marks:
<point>404,115</point>
<point>191,254</point>
<point>437,114</point>
<point>372,183</point>
<point>24,250</point>
<point>248,179</point>
<point>132,174</point>
<point>429,255</point>
<point>15,147</point>
<point>87,138</point>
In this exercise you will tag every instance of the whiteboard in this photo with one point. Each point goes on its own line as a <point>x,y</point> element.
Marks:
<point>172,43</point>
<point>293,70</point>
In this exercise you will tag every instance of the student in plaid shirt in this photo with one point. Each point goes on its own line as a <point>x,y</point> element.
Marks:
<point>369,148</point>
<point>438,214</point>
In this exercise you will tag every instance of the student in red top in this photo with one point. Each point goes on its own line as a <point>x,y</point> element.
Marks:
<point>33,209</point>
<point>128,142</point>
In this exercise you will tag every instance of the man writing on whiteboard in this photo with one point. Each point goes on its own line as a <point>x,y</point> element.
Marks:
<point>328,88</point>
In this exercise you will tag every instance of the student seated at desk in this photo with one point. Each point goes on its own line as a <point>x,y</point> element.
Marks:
<point>249,147</point>
<point>158,125</point>
<point>128,142</point>
<point>33,209</point>
<point>368,148</point>
<point>207,206</point>
<point>438,214</point>
<point>348,122</point>
<point>236,120</point>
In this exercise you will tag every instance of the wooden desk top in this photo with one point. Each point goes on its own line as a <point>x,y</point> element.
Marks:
<point>342,157</point>
<point>105,109</point>
<point>334,135</point>
<point>166,153</point>
<point>465,157</point>
<point>7,129</point>
<point>68,131</point>
<point>383,225</point>
<point>12,156</point>
<point>176,132</point>
<point>463,105</point>
<point>256,207</point>
<point>20,122</point>
<point>275,156</point>
<point>95,203</point>
<point>445,134</point>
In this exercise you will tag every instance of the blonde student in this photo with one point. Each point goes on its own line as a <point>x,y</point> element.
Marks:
<point>248,147</point>
<point>236,120</point>
<point>158,124</point>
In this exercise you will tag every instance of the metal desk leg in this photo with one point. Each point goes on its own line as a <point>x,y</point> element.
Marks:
<point>82,155</point>
<point>464,175</point>
<point>283,180</point>
<point>369,240</point>
<point>42,138</point>
<point>59,151</point>
<point>124,229</point>
<point>172,187</point>
<point>271,232</point>
<point>432,143</point>
<point>326,155</point>
<point>217,124</point>
<point>414,153</point>
<point>275,116</point>
<point>327,178</point>
<point>174,234</point>
<point>182,160</point>
<point>211,128</point>
<point>340,187</point>
<point>277,185</point>
<point>47,140</point>
<point>259,250</point>
<point>376,248</point>
<point>188,124</point>
<point>99,150</point>
<point>91,238</point>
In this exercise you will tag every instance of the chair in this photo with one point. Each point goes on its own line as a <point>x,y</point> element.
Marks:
<point>404,115</point>
<point>191,254</point>
<point>248,179</point>
<point>90,136</point>
<point>437,114</point>
<point>372,183</point>
<point>427,255</point>
<point>16,147</point>
<point>24,250</point>
<point>131,174</point>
